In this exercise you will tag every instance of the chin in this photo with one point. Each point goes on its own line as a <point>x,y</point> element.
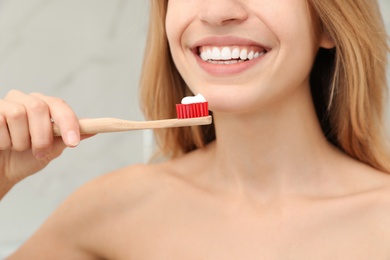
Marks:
<point>232,103</point>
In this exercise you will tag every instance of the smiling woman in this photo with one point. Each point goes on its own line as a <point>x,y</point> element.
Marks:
<point>339,93</point>
<point>297,147</point>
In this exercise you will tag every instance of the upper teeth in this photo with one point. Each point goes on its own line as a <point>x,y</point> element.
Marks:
<point>208,53</point>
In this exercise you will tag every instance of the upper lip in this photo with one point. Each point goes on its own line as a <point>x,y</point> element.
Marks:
<point>220,41</point>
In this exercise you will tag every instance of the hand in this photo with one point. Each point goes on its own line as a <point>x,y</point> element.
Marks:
<point>27,144</point>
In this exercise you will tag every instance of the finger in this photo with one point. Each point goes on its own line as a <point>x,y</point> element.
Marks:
<point>40,125</point>
<point>64,117</point>
<point>15,116</point>
<point>38,121</point>
<point>58,148</point>
<point>5,138</point>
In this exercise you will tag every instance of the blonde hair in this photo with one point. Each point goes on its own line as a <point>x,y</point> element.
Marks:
<point>348,82</point>
<point>162,87</point>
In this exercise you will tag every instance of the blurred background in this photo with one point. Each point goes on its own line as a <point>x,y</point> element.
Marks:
<point>88,52</point>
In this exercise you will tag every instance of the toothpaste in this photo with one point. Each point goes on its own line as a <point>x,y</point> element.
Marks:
<point>193,99</point>
<point>191,107</point>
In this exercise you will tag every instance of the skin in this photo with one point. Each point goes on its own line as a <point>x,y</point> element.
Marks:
<point>270,187</point>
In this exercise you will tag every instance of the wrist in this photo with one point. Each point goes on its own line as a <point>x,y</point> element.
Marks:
<point>5,187</point>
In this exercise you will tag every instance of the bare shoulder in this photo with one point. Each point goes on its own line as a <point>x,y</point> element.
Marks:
<point>95,213</point>
<point>127,189</point>
<point>374,203</point>
<point>370,185</point>
<point>375,215</point>
<point>380,199</point>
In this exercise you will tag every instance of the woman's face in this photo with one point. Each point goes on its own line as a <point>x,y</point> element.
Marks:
<point>242,54</point>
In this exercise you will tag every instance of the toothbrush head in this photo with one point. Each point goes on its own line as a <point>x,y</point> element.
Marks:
<point>192,110</point>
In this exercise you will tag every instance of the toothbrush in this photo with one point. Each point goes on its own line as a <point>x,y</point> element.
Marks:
<point>188,115</point>
<point>191,107</point>
<point>109,125</point>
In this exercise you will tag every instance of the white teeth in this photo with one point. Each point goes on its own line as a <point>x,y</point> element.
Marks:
<point>206,55</point>
<point>251,55</point>
<point>209,54</point>
<point>236,53</point>
<point>226,62</point>
<point>244,54</point>
<point>231,62</point>
<point>203,56</point>
<point>216,54</point>
<point>228,55</point>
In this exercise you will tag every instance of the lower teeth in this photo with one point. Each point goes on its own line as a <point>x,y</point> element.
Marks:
<point>226,62</point>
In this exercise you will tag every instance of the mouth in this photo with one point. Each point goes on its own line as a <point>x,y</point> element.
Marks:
<point>228,55</point>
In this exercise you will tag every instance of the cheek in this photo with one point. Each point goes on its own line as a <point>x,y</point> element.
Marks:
<point>179,15</point>
<point>299,28</point>
<point>297,43</point>
<point>170,27</point>
<point>289,20</point>
<point>173,32</point>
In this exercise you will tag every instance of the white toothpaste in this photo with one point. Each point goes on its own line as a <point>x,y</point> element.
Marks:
<point>193,99</point>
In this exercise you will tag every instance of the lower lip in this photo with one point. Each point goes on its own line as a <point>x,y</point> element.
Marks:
<point>227,69</point>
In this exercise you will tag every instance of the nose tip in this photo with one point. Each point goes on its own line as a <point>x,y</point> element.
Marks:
<point>222,12</point>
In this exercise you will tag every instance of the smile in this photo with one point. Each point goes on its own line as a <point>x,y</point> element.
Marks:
<point>230,54</point>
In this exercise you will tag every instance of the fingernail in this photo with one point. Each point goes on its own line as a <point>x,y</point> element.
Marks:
<point>72,138</point>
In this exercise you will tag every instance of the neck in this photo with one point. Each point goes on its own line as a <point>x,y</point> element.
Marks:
<point>276,150</point>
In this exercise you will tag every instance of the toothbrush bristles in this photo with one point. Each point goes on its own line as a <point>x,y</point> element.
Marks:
<point>192,110</point>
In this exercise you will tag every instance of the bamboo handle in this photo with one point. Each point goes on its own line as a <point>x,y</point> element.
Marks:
<point>109,125</point>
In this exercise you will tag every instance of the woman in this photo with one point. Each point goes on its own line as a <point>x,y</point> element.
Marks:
<point>277,176</point>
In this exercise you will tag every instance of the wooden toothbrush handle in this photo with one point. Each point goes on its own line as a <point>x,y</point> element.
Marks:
<point>108,125</point>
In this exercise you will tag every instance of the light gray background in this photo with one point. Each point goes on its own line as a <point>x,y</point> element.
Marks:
<point>88,52</point>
